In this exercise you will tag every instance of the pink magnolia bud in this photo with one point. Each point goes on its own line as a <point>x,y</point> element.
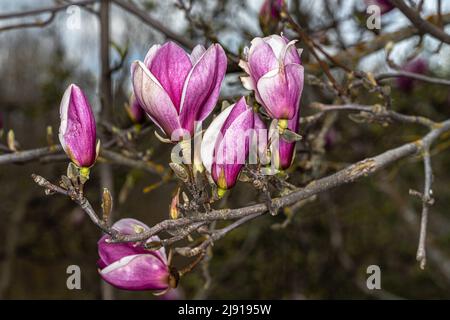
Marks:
<point>77,132</point>
<point>226,144</point>
<point>419,66</point>
<point>275,75</point>
<point>385,5</point>
<point>134,110</point>
<point>284,155</point>
<point>130,266</point>
<point>177,89</point>
<point>270,15</point>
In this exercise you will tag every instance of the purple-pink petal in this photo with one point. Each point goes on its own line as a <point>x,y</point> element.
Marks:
<point>261,59</point>
<point>111,252</point>
<point>287,149</point>
<point>202,87</point>
<point>77,132</point>
<point>171,65</point>
<point>154,99</point>
<point>280,91</point>
<point>137,272</point>
<point>232,150</point>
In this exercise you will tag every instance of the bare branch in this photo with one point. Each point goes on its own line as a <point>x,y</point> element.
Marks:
<point>49,9</point>
<point>378,110</point>
<point>349,174</point>
<point>133,9</point>
<point>422,25</point>
<point>412,75</point>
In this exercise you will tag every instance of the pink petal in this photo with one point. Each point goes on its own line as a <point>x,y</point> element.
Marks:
<point>261,59</point>
<point>130,226</point>
<point>171,65</point>
<point>77,132</point>
<point>232,150</point>
<point>154,99</point>
<point>151,54</point>
<point>197,53</point>
<point>137,272</point>
<point>202,87</point>
<point>281,90</point>
<point>112,252</point>
<point>211,136</point>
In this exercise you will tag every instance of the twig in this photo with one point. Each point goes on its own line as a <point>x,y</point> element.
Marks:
<point>36,24</point>
<point>349,174</point>
<point>77,198</point>
<point>422,25</point>
<point>29,155</point>
<point>412,75</point>
<point>427,200</point>
<point>50,9</point>
<point>378,111</point>
<point>133,9</point>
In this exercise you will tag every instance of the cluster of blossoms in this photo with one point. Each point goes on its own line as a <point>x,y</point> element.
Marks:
<point>176,91</point>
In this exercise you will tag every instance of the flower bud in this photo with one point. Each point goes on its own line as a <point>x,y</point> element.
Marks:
<point>283,151</point>
<point>384,5</point>
<point>134,110</point>
<point>270,16</point>
<point>226,143</point>
<point>77,132</point>
<point>275,74</point>
<point>419,66</point>
<point>130,266</point>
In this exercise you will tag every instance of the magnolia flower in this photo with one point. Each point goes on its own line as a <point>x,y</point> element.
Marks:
<point>419,66</point>
<point>270,15</point>
<point>77,132</point>
<point>226,144</point>
<point>282,151</point>
<point>177,89</point>
<point>130,266</point>
<point>134,110</point>
<point>275,75</point>
<point>384,5</point>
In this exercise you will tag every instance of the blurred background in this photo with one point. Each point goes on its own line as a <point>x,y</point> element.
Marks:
<point>319,250</point>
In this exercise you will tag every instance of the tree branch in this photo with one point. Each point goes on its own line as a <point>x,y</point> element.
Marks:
<point>353,172</point>
<point>422,25</point>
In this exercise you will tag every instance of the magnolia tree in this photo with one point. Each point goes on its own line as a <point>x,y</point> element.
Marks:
<point>217,142</point>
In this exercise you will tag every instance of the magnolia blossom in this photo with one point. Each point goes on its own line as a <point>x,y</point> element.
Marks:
<point>77,132</point>
<point>384,5</point>
<point>275,74</point>
<point>177,89</point>
<point>130,266</point>
<point>282,151</point>
<point>270,15</point>
<point>134,110</point>
<point>226,143</point>
<point>419,66</point>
